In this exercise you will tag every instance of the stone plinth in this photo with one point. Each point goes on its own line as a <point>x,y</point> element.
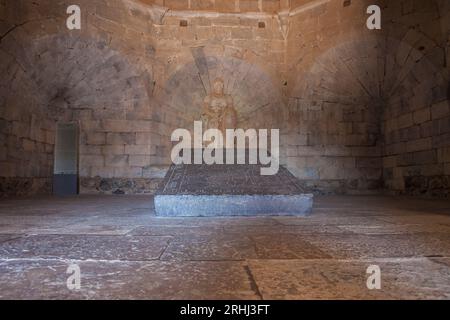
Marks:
<point>230,190</point>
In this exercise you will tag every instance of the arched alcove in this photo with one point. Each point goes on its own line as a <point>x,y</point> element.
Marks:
<point>256,97</point>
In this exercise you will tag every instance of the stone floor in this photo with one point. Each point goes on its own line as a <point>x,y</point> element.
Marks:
<point>125,252</point>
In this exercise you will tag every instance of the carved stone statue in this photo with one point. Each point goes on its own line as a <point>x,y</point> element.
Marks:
<point>218,109</point>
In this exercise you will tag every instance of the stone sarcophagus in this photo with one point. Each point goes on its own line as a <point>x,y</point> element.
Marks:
<point>230,190</point>
<point>235,188</point>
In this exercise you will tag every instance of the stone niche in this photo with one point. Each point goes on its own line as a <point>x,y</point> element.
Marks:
<point>255,97</point>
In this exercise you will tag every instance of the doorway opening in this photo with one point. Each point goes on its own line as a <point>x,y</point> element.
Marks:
<point>65,172</point>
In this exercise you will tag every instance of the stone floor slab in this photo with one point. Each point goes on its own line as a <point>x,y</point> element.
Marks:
<point>326,220</point>
<point>337,279</point>
<point>283,229</point>
<point>286,246</point>
<point>175,231</point>
<point>125,251</point>
<point>210,248</point>
<point>83,247</point>
<point>213,221</point>
<point>154,280</point>
<point>397,228</point>
<point>383,245</point>
<point>417,219</point>
<point>8,237</point>
<point>82,229</point>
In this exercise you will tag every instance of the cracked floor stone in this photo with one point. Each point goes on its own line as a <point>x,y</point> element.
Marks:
<point>125,252</point>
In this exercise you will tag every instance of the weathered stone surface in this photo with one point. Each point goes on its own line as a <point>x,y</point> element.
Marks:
<point>216,247</point>
<point>341,94</point>
<point>82,229</point>
<point>6,237</point>
<point>322,256</point>
<point>176,230</point>
<point>24,186</point>
<point>84,247</point>
<point>264,230</point>
<point>152,280</point>
<point>326,279</point>
<point>286,246</point>
<point>383,245</point>
<point>119,185</point>
<point>234,190</point>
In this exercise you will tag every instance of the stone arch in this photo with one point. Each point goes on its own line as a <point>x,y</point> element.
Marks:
<point>82,73</point>
<point>345,106</point>
<point>371,73</point>
<point>60,77</point>
<point>257,99</point>
<point>343,84</point>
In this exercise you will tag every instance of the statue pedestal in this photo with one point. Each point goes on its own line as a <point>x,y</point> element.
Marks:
<point>230,190</point>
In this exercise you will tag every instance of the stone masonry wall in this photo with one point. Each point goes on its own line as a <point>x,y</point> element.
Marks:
<point>248,57</point>
<point>228,6</point>
<point>358,110</point>
<point>357,95</point>
<point>26,124</point>
<point>334,139</point>
<point>100,77</point>
<point>125,77</point>
<point>417,115</point>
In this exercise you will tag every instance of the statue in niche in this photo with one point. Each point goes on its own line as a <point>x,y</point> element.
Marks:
<point>218,109</point>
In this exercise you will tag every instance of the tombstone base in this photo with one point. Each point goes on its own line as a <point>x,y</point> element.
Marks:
<point>230,190</point>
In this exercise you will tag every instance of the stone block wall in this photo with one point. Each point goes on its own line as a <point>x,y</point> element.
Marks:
<point>26,126</point>
<point>369,109</point>
<point>417,114</point>
<point>359,111</point>
<point>100,77</point>
<point>246,51</point>
<point>228,6</point>
<point>334,138</point>
<point>125,77</point>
